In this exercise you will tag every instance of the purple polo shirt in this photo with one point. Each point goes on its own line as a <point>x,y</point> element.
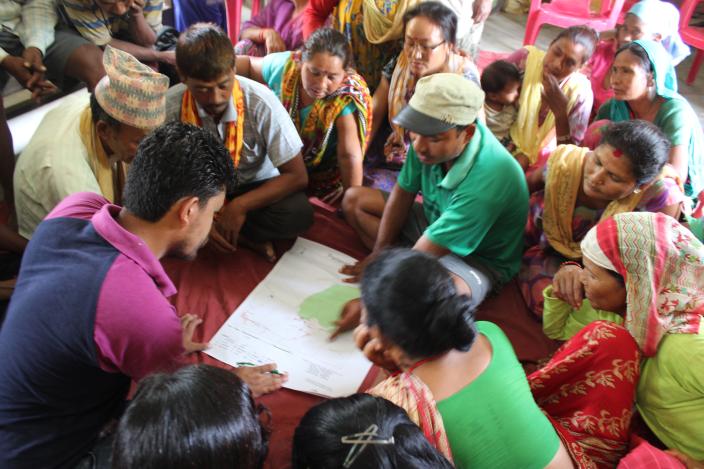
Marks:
<point>137,331</point>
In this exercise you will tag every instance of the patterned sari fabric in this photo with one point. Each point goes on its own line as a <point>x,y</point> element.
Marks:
<point>370,57</point>
<point>411,394</point>
<point>662,264</point>
<point>325,181</point>
<point>401,87</point>
<point>556,223</point>
<point>588,390</point>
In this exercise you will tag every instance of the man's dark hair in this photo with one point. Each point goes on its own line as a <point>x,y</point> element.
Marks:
<point>644,144</point>
<point>99,114</point>
<point>204,52</point>
<point>199,416</point>
<point>498,74</point>
<point>176,160</point>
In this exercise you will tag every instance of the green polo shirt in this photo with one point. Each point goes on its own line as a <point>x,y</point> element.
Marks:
<point>479,207</point>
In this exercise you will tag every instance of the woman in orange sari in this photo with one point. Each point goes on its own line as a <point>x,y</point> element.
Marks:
<point>328,102</point>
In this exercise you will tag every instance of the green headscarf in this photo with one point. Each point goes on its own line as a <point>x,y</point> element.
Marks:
<point>664,77</point>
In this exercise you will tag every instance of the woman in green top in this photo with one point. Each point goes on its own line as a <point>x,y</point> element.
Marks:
<point>460,381</point>
<point>646,271</point>
<point>328,102</point>
<point>645,87</point>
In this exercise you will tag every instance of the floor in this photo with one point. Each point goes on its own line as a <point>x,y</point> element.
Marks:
<point>503,32</point>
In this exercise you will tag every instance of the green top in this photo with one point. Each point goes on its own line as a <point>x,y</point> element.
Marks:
<point>273,73</point>
<point>478,207</point>
<point>680,124</point>
<point>494,422</point>
<point>670,395</point>
<point>561,322</point>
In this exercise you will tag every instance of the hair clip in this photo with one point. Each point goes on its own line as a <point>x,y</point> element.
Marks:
<point>359,441</point>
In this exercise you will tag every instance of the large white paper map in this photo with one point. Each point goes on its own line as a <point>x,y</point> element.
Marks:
<point>288,318</point>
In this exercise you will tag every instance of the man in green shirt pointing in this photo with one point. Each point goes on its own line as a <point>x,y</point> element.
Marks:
<point>475,198</point>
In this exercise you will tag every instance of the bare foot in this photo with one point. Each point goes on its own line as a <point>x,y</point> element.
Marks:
<point>265,248</point>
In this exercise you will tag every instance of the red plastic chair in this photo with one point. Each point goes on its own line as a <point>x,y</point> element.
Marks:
<point>692,35</point>
<point>566,13</point>
<point>233,11</point>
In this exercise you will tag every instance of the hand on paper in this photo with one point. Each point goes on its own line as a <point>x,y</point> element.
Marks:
<point>260,379</point>
<point>349,317</point>
<point>373,349</point>
<point>189,322</point>
<point>355,270</point>
<point>567,285</point>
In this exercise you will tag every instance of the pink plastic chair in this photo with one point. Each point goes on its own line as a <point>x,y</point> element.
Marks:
<point>626,6</point>
<point>566,13</point>
<point>233,11</point>
<point>692,35</point>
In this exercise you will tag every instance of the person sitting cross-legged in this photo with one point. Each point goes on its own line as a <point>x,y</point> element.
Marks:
<point>267,200</point>
<point>475,198</point>
<point>90,311</point>
<point>86,142</point>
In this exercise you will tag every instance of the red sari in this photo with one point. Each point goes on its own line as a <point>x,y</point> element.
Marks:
<point>588,391</point>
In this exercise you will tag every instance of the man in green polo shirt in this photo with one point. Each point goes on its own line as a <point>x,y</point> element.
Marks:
<point>475,198</point>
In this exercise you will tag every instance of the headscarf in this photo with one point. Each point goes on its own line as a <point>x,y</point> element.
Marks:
<point>666,87</point>
<point>663,18</point>
<point>664,77</point>
<point>662,264</point>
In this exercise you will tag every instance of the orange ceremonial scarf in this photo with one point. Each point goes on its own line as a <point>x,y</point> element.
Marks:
<point>234,131</point>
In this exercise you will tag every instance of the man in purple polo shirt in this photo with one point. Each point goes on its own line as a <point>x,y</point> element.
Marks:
<point>90,310</point>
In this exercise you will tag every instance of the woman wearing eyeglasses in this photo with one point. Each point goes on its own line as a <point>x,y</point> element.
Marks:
<point>556,98</point>
<point>429,47</point>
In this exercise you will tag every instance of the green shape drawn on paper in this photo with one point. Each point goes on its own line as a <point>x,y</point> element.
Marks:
<point>325,306</point>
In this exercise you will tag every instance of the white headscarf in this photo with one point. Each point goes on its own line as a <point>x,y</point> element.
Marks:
<point>663,18</point>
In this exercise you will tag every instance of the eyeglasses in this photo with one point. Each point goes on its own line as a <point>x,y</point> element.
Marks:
<point>424,50</point>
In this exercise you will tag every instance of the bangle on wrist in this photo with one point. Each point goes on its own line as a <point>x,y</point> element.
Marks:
<point>261,34</point>
<point>574,263</point>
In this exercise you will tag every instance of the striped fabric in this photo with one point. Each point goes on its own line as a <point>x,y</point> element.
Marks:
<point>131,92</point>
<point>98,27</point>
<point>33,21</point>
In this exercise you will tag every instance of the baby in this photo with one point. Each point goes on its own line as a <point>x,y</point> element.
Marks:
<point>501,82</point>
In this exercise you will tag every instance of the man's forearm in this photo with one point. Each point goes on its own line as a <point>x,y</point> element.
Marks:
<point>141,33</point>
<point>395,214</point>
<point>141,53</point>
